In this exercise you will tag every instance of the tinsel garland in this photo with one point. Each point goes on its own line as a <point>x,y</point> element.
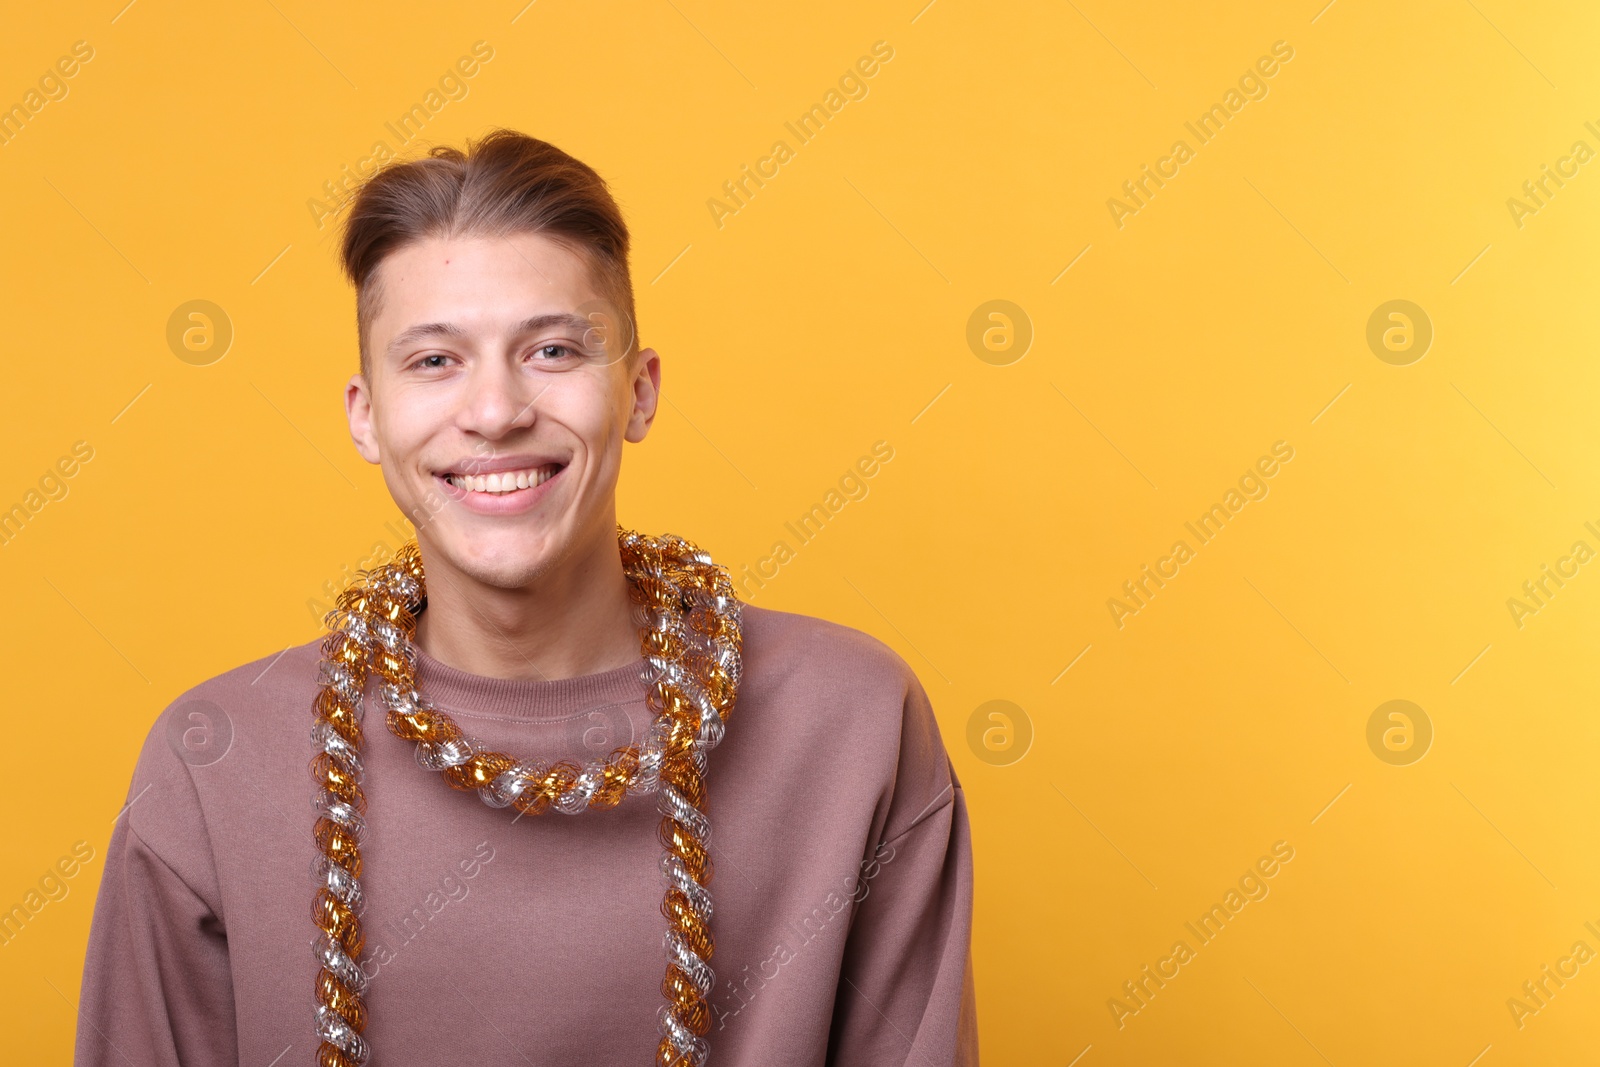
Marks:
<point>691,642</point>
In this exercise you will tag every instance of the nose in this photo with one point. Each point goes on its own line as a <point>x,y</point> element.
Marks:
<point>497,401</point>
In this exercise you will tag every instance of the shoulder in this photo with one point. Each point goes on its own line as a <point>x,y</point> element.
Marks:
<point>202,725</point>
<point>860,698</point>
<point>217,747</point>
<point>787,645</point>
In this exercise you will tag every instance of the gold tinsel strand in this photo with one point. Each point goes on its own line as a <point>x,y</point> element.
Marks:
<point>368,603</point>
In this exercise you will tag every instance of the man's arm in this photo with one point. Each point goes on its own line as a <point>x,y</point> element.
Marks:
<point>157,986</point>
<point>906,991</point>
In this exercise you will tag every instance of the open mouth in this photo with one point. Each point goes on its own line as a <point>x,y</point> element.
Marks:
<point>504,482</point>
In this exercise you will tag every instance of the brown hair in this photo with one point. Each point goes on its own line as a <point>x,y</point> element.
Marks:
<point>505,182</point>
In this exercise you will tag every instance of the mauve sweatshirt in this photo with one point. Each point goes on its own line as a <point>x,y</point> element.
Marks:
<point>842,877</point>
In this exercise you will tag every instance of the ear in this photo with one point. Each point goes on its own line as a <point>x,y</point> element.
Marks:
<point>646,395</point>
<point>358,409</point>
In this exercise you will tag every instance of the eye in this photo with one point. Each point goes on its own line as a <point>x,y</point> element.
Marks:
<point>561,351</point>
<point>423,362</point>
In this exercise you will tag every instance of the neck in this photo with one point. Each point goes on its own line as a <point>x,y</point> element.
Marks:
<point>574,620</point>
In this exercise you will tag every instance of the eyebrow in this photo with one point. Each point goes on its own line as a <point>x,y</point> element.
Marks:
<point>532,324</point>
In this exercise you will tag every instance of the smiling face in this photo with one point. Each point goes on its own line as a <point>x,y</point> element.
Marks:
<point>498,395</point>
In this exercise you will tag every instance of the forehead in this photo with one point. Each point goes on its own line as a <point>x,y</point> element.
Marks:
<point>478,279</point>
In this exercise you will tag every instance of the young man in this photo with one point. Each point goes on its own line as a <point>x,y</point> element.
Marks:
<point>528,649</point>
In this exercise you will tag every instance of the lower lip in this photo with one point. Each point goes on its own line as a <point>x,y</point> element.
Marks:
<point>513,503</point>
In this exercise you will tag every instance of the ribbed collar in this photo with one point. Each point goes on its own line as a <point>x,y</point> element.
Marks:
<point>456,690</point>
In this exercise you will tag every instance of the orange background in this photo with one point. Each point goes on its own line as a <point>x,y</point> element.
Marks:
<point>1139,771</point>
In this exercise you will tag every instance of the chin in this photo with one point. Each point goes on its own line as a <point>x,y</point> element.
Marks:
<point>504,558</point>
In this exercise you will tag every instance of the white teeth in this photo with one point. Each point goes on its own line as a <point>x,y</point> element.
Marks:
<point>502,482</point>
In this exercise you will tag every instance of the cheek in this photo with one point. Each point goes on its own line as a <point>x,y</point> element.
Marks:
<point>403,432</point>
<point>405,422</point>
<point>596,414</point>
